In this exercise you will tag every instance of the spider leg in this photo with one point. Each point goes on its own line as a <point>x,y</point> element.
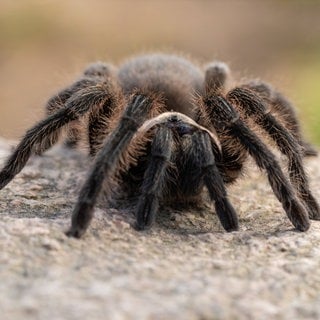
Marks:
<point>254,107</point>
<point>154,178</point>
<point>284,109</point>
<point>58,102</point>
<point>232,157</point>
<point>106,160</point>
<point>95,73</point>
<point>98,123</point>
<point>216,76</point>
<point>203,152</point>
<point>224,116</point>
<point>85,100</point>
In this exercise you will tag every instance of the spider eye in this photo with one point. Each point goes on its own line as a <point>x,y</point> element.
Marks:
<point>173,118</point>
<point>185,129</point>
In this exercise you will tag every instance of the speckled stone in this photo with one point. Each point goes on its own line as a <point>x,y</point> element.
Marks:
<point>185,267</point>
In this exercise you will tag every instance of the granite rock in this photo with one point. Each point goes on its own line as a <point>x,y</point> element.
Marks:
<point>185,267</point>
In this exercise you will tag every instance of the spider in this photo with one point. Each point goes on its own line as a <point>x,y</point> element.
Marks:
<point>165,130</point>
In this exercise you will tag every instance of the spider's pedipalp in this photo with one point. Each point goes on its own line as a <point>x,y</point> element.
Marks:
<point>154,178</point>
<point>253,106</point>
<point>202,150</point>
<point>263,158</point>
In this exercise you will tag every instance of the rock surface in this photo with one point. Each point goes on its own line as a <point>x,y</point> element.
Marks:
<point>185,267</point>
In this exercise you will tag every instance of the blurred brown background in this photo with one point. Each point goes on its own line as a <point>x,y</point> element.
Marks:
<point>44,45</point>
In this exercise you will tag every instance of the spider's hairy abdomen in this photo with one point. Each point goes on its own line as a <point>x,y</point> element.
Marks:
<point>175,78</point>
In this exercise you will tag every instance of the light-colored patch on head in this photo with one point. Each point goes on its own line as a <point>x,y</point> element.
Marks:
<point>164,117</point>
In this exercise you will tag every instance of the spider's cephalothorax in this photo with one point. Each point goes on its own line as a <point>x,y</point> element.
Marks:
<point>168,130</point>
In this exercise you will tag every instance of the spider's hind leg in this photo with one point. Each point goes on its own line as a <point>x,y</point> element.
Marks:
<point>154,178</point>
<point>56,103</point>
<point>254,107</point>
<point>45,133</point>
<point>284,109</point>
<point>95,73</point>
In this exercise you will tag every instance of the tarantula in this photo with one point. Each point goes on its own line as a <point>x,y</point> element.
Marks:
<point>167,130</point>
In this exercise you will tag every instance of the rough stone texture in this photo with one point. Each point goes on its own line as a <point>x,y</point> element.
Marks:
<point>186,267</point>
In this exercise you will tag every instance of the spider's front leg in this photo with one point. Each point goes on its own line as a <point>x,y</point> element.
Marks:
<point>107,159</point>
<point>224,117</point>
